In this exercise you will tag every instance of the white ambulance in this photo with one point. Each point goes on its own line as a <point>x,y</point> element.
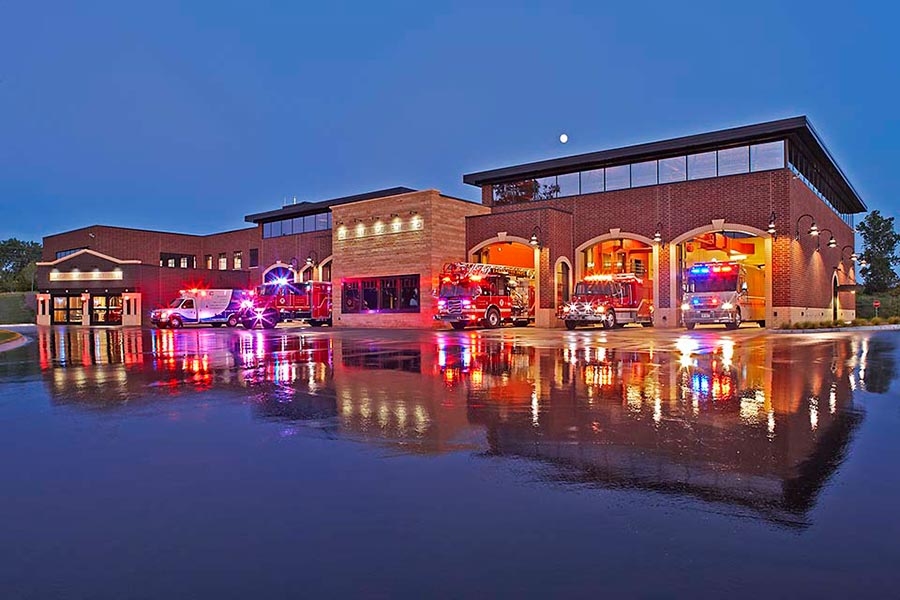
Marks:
<point>199,307</point>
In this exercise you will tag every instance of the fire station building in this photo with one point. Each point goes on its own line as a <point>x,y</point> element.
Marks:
<point>769,196</point>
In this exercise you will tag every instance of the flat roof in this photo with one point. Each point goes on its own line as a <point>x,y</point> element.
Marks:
<point>307,208</point>
<point>798,130</point>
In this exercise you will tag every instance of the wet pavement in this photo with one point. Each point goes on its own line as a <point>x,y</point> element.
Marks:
<point>507,463</point>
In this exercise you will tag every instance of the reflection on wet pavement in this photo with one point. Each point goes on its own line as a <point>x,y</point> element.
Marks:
<point>758,423</point>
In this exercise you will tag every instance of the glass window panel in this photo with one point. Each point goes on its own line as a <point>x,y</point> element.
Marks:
<point>287,227</point>
<point>701,166</point>
<point>297,224</point>
<point>309,223</point>
<point>254,257</point>
<point>185,262</point>
<point>546,188</point>
<point>267,230</point>
<point>767,156</point>
<point>734,160</point>
<point>350,295</point>
<point>592,181</point>
<point>672,170</point>
<point>276,228</point>
<point>389,300</point>
<point>369,294</point>
<point>568,184</point>
<point>618,178</point>
<point>519,191</point>
<point>409,293</point>
<point>322,222</point>
<point>209,261</point>
<point>328,215</point>
<point>238,260</point>
<point>643,173</point>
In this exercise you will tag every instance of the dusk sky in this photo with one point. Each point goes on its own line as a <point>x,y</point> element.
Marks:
<point>152,114</point>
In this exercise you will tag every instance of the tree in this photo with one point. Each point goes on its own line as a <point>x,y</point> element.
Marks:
<point>16,260</point>
<point>880,242</point>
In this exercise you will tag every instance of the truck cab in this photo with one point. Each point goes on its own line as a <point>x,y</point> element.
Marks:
<point>282,300</point>
<point>727,293</point>
<point>609,300</point>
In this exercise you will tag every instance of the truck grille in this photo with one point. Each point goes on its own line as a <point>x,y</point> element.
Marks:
<point>454,307</point>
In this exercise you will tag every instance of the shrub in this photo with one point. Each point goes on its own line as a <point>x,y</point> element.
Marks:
<point>876,321</point>
<point>894,321</point>
<point>859,322</point>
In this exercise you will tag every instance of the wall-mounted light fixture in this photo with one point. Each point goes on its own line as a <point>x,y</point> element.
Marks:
<point>813,228</point>
<point>832,243</point>
<point>536,235</point>
<point>772,230</point>
<point>312,258</point>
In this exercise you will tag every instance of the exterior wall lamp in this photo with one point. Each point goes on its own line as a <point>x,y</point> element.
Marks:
<point>813,228</point>
<point>832,243</point>
<point>853,255</point>
<point>772,230</point>
<point>310,261</point>
<point>657,236</point>
<point>536,234</point>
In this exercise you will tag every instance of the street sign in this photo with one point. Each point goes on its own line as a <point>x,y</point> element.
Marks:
<point>876,303</point>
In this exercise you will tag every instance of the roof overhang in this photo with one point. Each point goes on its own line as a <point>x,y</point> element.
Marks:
<point>796,130</point>
<point>309,208</point>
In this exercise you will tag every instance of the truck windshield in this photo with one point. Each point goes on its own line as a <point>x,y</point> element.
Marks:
<point>597,288</point>
<point>454,290</point>
<point>719,283</point>
<point>175,303</point>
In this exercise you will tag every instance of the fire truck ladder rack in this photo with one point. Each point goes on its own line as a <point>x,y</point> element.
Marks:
<point>463,269</point>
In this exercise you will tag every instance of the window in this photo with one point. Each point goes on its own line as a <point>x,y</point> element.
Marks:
<point>592,181</point>
<point>767,156</point>
<point>322,221</point>
<point>562,283</point>
<point>223,262</point>
<point>672,170</point>
<point>172,260</point>
<point>297,223</point>
<point>254,258</point>
<point>188,304</point>
<point>546,188</point>
<point>184,264</point>
<point>238,260</point>
<point>287,227</point>
<point>267,230</point>
<point>643,173</point>
<point>381,294</point>
<point>106,309</point>
<point>67,309</point>
<point>701,166</point>
<point>618,178</point>
<point>734,160</point>
<point>209,262</point>
<point>68,252</point>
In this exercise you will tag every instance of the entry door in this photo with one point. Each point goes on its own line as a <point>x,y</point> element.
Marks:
<point>67,309</point>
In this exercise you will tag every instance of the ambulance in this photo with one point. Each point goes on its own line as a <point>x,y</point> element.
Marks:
<point>726,293</point>
<point>201,307</point>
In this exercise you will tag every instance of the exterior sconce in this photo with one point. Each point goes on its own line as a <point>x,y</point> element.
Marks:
<point>535,240</point>
<point>657,236</point>
<point>772,230</point>
<point>310,261</point>
<point>832,243</point>
<point>813,228</point>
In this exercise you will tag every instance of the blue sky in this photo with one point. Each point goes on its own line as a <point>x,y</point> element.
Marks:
<point>188,116</point>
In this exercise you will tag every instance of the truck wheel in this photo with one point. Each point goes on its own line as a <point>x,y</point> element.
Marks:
<point>315,323</point>
<point>762,323</point>
<point>176,323</point>
<point>688,325</point>
<point>736,323</point>
<point>162,325</point>
<point>492,319</point>
<point>269,319</point>
<point>610,321</point>
<point>647,324</point>
<point>247,323</point>
<point>570,325</point>
<point>458,325</point>
<point>521,323</point>
<point>216,324</point>
<point>232,321</point>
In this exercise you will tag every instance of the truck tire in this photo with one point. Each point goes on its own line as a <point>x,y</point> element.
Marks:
<point>736,324</point>
<point>269,319</point>
<point>492,318</point>
<point>458,325</point>
<point>232,321</point>
<point>688,325</point>
<point>521,323</point>
<point>647,324</point>
<point>247,323</point>
<point>610,321</point>
<point>176,323</point>
<point>570,325</point>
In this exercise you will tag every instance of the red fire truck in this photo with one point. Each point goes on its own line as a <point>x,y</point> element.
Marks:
<point>283,300</point>
<point>488,295</point>
<point>611,300</point>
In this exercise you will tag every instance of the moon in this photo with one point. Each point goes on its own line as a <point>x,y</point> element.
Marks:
<point>563,138</point>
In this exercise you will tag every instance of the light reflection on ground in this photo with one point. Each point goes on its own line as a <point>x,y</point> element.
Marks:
<point>746,424</point>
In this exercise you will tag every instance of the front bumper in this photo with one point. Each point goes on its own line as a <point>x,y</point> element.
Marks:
<point>457,317</point>
<point>712,315</point>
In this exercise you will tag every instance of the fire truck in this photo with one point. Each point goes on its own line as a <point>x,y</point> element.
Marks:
<point>610,300</point>
<point>284,300</point>
<point>482,294</point>
<point>723,292</point>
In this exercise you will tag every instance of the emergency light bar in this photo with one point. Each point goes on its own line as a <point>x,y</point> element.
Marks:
<point>716,268</point>
<point>614,277</point>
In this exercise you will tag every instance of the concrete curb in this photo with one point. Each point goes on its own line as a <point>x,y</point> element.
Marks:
<point>837,329</point>
<point>16,342</point>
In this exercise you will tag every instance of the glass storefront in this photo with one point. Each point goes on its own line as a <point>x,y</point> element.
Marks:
<point>106,309</point>
<point>67,310</point>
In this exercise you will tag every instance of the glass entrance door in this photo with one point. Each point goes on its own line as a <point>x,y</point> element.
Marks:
<point>67,310</point>
<point>106,309</point>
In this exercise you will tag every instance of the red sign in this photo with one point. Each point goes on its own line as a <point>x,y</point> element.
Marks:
<point>876,303</point>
